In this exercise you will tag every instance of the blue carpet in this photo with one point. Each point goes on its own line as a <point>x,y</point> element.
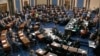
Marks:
<point>61,28</point>
<point>84,42</point>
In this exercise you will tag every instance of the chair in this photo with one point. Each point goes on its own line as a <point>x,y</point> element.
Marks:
<point>48,40</point>
<point>48,48</point>
<point>37,23</point>
<point>31,53</point>
<point>76,44</point>
<point>55,30</point>
<point>84,32</point>
<point>36,27</point>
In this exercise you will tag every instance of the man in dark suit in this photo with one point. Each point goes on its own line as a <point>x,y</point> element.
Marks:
<point>76,43</point>
<point>2,25</point>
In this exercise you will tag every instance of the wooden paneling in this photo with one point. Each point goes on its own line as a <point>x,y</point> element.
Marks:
<point>94,4</point>
<point>41,2</point>
<point>67,4</point>
<point>3,7</point>
<point>26,3</point>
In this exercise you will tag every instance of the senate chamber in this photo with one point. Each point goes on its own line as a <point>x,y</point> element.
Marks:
<point>49,27</point>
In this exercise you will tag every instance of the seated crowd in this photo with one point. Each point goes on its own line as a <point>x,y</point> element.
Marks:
<point>26,29</point>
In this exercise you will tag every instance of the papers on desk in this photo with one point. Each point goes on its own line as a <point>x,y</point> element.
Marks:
<point>53,37</point>
<point>69,43</point>
<point>50,33</point>
<point>5,45</point>
<point>40,51</point>
<point>74,30</point>
<point>82,51</point>
<point>21,37</point>
<point>34,33</point>
<point>3,34</point>
<point>50,54</point>
<point>56,44</point>
<point>92,44</point>
<point>48,30</point>
<point>3,41</point>
<point>21,34</point>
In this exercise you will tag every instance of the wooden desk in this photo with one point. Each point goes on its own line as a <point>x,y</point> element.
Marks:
<point>3,37</point>
<point>9,25</point>
<point>73,49</point>
<point>41,52</point>
<point>12,23</point>
<point>21,26</point>
<point>4,32</point>
<point>56,45</point>
<point>36,27</point>
<point>6,46</point>
<point>65,47</point>
<point>23,38</point>
<point>81,51</point>
<point>50,54</point>
<point>21,34</point>
<point>4,41</point>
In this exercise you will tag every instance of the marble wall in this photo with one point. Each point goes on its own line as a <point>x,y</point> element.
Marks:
<point>3,1</point>
<point>41,2</point>
<point>94,4</point>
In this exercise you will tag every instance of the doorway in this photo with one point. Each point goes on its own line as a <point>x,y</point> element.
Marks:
<point>3,7</point>
<point>67,4</point>
<point>26,3</point>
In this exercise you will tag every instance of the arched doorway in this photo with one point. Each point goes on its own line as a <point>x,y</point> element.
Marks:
<point>26,3</point>
<point>3,7</point>
<point>67,4</point>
